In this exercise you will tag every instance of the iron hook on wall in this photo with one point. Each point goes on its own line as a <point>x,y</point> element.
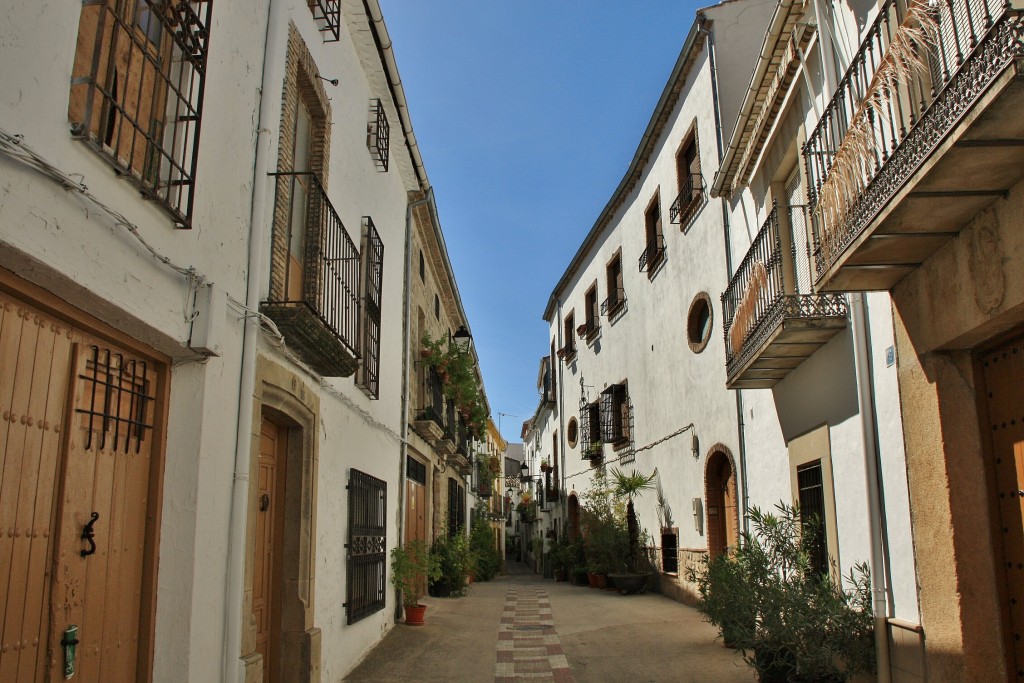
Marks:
<point>88,535</point>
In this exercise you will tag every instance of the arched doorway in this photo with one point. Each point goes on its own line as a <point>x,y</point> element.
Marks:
<point>720,496</point>
<point>574,518</point>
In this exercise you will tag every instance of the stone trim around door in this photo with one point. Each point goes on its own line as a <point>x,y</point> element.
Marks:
<point>284,395</point>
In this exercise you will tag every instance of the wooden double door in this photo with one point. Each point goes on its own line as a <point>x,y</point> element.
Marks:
<point>79,487</point>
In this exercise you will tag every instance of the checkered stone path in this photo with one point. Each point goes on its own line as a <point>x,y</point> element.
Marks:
<point>528,645</point>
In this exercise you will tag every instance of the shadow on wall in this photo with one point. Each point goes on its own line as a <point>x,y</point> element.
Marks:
<point>822,390</point>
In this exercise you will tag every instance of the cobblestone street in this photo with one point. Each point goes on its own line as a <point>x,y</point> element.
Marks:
<point>521,627</point>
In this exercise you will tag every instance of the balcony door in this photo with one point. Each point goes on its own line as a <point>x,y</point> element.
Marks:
<point>302,188</point>
<point>798,232</point>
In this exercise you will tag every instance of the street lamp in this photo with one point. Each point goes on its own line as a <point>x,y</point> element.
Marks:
<point>463,339</point>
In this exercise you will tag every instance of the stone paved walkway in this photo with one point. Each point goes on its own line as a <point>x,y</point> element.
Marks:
<point>521,627</point>
<point>528,644</point>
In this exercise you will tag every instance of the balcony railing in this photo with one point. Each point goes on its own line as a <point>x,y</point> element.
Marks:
<point>764,306</point>
<point>691,198</point>
<point>653,254</point>
<point>314,300</point>
<point>616,298</point>
<point>920,69</point>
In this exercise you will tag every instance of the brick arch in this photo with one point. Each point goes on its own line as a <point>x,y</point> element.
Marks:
<point>721,503</point>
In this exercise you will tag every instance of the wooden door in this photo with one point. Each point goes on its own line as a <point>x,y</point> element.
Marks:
<point>415,511</point>
<point>76,439</point>
<point>35,354</point>
<point>106,485</point>
<point>1004,382</point>
<point>269,529</point>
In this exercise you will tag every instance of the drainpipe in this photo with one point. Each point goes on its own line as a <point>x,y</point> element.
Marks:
<point>741,433</point>
<point>869,428</point>
<point>231,647</point>
<point>407,343</point>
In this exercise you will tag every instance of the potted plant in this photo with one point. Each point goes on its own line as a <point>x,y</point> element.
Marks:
<point>411,568</point>
<point>603,520</point>
<point>629,486</point>
<point>544,466</point>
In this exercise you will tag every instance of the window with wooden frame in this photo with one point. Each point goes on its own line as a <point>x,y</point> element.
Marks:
<point>366,570</point>
<point>590,430</point>
<point>811,492</point>
<point>654,250</point>
<point>372,256</point>
<point>554,375</point>
<point>593,310</point>
<point>437,307</point>
<point>137,88</point>
<point>616,290</point>
<point>689,181</point>
<point>569,334</point>
<point>615,414</point>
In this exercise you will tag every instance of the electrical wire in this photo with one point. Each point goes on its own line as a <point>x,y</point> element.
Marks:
<point>632,453</point>
<point>14,146</point>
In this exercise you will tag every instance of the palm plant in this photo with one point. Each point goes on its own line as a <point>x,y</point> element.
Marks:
<point>630,486</point>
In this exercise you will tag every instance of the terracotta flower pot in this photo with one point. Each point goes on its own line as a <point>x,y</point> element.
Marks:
<point>414,614</point>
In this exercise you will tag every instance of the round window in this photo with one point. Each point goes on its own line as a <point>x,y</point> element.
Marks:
<point>572,432</point>
<point>698,322</point>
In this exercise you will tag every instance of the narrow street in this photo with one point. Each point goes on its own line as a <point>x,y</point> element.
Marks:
<point>522,627</point>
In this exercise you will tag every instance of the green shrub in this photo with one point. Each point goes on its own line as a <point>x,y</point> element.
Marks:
<point>455,560</point>
<point>485,555</point>
<point>792,623</point>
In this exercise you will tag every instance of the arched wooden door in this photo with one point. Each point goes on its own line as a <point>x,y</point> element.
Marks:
<point>722,511</point>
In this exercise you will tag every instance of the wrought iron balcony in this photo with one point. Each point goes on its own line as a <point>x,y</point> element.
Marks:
<point>616,299</point>
<point>314,294</point>
<point>923,132</point>
<point>653,254</point>
<point>691,198</point>
<point>771,326</point>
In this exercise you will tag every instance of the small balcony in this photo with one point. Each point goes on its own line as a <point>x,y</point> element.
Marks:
<point>429,422</point>
<point>691,197</point>
<point>314,292</point>
<point>923,132</point>
<point>653,254</point>
<point>614,303</point>
<point>772,321</point>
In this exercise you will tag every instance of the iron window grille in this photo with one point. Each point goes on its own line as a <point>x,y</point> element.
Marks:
<point>415,470</point>
<point>315,302</point>
<point>456,507</point>
<point>120,395</point>
<point>327,15</point>
<point>432,405</point>
<point>378,134</point>
<point>137,90</point>
<point>372,251</point>
<point>589,427</point>
<point>691,198</point>
<point>812,513</point>
<point>670,552</point>
<point>615,416</point>
<point>367,545</point>
<point>569,349</point>
<point>451,425</point>
<point>653,254</point>
<point>593,312</point>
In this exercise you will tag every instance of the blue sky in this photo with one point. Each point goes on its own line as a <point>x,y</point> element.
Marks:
<point>527,115</point>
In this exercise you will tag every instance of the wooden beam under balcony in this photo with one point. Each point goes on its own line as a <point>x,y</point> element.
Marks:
<point>938,163</point>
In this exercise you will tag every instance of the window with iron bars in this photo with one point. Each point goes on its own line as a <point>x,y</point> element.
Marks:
<point>590,429</point>
<point>456,507</point>
<point>378,135</point>
<point>616,290</point>
<point>569,334</point>
<point>367,546</point>
<point>655,249</point>
<point>327,15</point>
<point>689,181</point>
<point>137,88</point>
<point>593,312</point>
<point>372,256</point>
<point>615,414</point>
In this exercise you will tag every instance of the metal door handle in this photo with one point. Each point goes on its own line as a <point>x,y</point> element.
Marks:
<point>88,534</point>
<point>264,503</point>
